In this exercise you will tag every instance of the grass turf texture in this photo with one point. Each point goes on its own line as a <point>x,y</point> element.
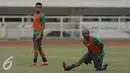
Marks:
<point>116,56</point>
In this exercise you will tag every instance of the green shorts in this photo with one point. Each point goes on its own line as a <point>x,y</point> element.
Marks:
<point>37,41</point>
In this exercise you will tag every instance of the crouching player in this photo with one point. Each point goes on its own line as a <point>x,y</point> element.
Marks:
<point>95,53</point>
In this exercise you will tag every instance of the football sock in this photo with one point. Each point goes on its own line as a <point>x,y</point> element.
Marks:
<point>70,67</point>
<point>44,59</point>
<point>35,60</point>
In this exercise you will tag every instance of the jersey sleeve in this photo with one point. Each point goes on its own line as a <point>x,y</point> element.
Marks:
<point>42,19</point>
<point>97,40</point>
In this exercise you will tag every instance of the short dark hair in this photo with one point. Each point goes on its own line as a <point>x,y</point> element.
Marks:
<point>38,3</point>
<point>85,31</point>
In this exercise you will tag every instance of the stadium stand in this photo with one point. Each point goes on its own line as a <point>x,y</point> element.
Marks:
<point>66,18</point>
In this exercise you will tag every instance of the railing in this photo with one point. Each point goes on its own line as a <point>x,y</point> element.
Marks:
<point>21,26</point>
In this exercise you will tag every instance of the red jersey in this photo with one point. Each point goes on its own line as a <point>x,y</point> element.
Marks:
<point>92,44</point>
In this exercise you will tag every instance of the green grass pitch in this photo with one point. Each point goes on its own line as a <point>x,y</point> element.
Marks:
<point>118,58</point>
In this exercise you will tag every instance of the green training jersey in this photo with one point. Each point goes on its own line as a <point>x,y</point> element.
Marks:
<point>98,42</point>
<point>38,21</point>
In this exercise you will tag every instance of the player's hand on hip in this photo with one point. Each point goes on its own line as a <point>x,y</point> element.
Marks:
<point>38,37</point>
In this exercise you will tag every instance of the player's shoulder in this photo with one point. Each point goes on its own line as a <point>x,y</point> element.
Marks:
<point>95,38</point>
<point>42,14</point>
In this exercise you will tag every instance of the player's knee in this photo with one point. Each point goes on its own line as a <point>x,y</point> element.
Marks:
<point>39,48</point>
<point>35,48</point>
<point>36,52</point>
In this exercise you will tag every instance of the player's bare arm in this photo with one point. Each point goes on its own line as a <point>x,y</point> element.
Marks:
<point>41,31</point>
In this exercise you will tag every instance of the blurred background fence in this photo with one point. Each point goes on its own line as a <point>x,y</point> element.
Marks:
<point>66,26</point>
<point>66,18</point>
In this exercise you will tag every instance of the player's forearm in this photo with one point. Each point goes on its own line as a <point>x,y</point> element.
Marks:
<point>42,29</point>
<point>101,48</point>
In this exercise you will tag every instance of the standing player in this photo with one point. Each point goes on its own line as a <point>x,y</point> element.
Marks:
<point>95,52</point>
<point>38,28</point>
